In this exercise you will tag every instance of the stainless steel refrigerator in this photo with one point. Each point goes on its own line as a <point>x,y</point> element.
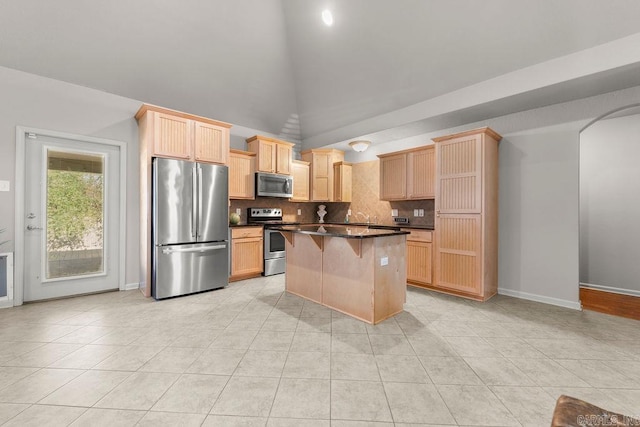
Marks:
<point>189,227</point>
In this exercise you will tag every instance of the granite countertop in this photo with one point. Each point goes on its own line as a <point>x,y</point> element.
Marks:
<point>385,226</point>
<point>351,224</point>
<point>348,231</point>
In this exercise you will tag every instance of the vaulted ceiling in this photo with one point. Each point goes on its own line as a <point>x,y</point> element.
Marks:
<point>273,65</point>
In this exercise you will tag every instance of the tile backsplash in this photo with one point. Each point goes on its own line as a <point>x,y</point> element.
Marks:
<point>365,199</point>
<point>289,209</point>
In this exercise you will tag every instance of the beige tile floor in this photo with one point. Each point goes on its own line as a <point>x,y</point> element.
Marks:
<point>251,355</point>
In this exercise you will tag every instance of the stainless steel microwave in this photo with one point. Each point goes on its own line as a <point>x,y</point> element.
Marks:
<point>274,185</point>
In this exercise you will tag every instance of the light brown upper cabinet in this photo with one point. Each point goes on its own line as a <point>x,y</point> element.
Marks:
<point>272,155</point>
<point>300,174</point>
<point>393,176</point>
<point>408,174</point>
<point>466,223</point>
<point>175,135</point>
<point>342,177</point>
<point>421,173</point>
<point>321,171</point>
<point>211,143</point>
<point>178,135</point>
<point>242,169</point>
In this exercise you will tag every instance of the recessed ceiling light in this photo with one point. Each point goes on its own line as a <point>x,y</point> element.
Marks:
<point>327,17</point>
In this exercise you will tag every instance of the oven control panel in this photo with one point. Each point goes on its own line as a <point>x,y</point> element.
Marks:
<point>265,212</point>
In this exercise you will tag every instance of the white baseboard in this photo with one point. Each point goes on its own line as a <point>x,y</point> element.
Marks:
<point>574,305</point>
<point>630,292</point>
<point>131,286</point>
<point>6,303</point>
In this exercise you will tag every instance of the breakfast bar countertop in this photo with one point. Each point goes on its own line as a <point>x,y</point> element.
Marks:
<point>346,231</point>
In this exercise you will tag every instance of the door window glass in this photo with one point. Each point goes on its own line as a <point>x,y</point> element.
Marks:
<point>74,214</point>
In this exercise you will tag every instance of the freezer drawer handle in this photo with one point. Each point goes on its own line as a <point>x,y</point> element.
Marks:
<point>169,251</point>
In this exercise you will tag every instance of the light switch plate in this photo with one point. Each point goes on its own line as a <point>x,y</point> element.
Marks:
<point>299,211</point>
<point>384,260</point>
<point>5,185</point>
<point>416,212</point>
<point>421,212</point>
<point>239,211</point>
<point>349,212</point>
<point>394,212</point>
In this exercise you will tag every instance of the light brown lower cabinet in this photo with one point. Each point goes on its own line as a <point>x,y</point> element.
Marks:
<point>419,257</point>
<point>246,252</point>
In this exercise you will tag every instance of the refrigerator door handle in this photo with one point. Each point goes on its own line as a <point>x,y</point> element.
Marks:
<point>194,204</point>
<point>169,251</point>
<point>199,200</point>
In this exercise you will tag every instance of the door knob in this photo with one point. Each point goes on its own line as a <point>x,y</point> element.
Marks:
<point>31,227</point>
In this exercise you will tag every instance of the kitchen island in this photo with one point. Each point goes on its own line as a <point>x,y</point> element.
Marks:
<point>356,270</point>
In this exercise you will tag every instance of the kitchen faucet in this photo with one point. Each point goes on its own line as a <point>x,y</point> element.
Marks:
<point>368,218</point>
<point>364,215</point>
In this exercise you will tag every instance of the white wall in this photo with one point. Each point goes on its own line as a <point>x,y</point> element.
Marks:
<point>538,222</point>
<point>38,102</point>
<point>610,204</point>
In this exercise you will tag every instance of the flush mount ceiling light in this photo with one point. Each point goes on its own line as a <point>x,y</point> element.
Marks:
<point>360,146</point>
<point>327,17</point>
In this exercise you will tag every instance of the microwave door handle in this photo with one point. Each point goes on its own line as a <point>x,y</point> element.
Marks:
<point>286,186</point>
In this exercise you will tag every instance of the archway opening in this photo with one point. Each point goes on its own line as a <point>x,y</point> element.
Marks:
<point>610,213</point>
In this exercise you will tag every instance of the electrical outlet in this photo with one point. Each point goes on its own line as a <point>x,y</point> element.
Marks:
<point>394,212</point>
<point>239,211</point>
<point>421,212</point>
<point>349,212</point>
<point>384,260</point>
<point>416,212</point>
<point>299,211</point>
<point>5,186</point>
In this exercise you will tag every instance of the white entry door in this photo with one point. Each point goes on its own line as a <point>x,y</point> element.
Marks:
<point>72,217</point>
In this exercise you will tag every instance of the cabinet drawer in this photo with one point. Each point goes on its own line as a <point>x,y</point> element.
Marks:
<point>242,232</point>
<point>419,235</point>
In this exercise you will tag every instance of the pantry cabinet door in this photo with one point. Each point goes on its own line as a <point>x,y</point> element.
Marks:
<point>459,175</point>
<point>458,254</point>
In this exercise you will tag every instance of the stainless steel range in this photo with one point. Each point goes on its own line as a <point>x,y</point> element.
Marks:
<point>274,246</point>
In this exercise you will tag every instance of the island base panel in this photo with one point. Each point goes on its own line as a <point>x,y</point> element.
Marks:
<point>304,268</point>
<point>352,282</point>
<point>348,279</point>
<point>391,280</point>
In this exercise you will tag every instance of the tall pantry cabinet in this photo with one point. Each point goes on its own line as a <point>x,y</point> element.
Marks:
<point>466,222</point>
